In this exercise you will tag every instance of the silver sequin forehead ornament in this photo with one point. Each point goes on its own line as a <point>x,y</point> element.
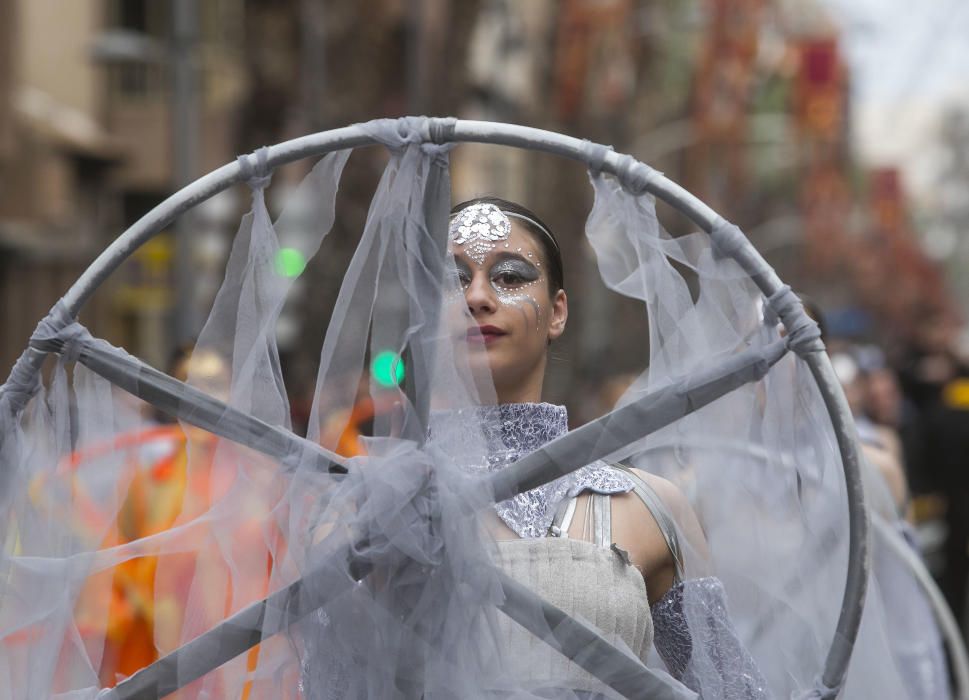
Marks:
<point>478,228</point>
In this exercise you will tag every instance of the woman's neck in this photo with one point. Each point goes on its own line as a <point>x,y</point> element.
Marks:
<point>528,391</point>
<point>519,397</point>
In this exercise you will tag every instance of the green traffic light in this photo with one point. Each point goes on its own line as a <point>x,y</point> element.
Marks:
<point>387,368</point>
<point>290,262</point>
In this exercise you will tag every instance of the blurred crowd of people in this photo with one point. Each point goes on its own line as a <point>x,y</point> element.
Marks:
<point>911,408</point>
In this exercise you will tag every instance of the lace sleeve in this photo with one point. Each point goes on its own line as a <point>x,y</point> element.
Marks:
<point>698,644</point>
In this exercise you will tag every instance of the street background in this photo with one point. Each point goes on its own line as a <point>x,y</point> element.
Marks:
<point>834,132</point>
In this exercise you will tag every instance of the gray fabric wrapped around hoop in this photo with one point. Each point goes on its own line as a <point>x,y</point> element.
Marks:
<point>375,575</point>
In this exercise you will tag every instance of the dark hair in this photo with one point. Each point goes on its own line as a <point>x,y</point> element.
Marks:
<point>538,229</point>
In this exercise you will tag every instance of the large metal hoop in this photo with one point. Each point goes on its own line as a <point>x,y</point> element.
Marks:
<point>603,159</point>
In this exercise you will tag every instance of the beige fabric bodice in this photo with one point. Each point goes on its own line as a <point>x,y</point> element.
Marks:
<point>590,582</point>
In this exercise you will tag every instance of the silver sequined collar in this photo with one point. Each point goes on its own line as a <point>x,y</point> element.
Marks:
<point>511,431</point>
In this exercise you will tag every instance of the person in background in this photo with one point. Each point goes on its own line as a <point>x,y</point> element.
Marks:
<point>936,377</point>
<point>165,485</point>
<point>879,444</point>
<point>913,635</point>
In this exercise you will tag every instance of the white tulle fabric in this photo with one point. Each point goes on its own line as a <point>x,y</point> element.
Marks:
<point>760,466</point>
<point>413,597</point>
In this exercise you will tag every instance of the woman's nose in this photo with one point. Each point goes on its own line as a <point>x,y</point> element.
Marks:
<point>480,295</point>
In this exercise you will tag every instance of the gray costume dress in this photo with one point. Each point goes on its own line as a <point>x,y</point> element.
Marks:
<point>591,580</point>
<point>594,581</point>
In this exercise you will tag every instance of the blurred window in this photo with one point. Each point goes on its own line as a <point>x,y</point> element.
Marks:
<point>138,79</point>
<point>133,14</point>
<point>143,16</point>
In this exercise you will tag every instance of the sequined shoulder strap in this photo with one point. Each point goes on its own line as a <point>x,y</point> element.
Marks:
<point>661,514</point>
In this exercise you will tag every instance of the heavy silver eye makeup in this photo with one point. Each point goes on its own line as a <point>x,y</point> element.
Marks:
<point>513,272</point>
<point>508,272</point>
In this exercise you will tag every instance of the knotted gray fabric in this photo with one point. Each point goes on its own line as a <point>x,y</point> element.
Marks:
<point>634,176</point>
<point>60,333</point>
<point>257,176</point>
<point>595,155</point>
<point>804,334</point>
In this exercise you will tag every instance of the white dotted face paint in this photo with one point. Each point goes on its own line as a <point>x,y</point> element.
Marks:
<point>479,228</point>
<point>519,301</point>
<point>511,279</point>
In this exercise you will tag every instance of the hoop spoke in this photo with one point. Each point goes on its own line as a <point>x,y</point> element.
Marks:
<point>202,410</point>
<point>623,426</point>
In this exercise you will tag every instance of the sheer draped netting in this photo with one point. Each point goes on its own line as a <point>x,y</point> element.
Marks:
<point>232,559</point>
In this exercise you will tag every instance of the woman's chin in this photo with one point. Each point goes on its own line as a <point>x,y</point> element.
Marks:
<point>480,364</point>
<point>488,363</point>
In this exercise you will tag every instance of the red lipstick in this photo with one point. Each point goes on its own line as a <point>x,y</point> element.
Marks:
<point>486,334</point>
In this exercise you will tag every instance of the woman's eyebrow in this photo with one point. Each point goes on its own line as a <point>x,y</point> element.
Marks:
<point>508,255</point>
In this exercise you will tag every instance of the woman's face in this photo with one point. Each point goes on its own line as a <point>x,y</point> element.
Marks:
<point>506,288</point>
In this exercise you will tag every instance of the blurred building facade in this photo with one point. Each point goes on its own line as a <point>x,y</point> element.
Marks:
<point>744,101</point>
<point>56,201</point>
<point>86,149</point>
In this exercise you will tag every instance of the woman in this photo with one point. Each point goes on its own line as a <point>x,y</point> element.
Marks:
<point>623,528</point>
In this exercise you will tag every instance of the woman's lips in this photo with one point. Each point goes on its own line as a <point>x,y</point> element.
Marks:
<point>485,334</point>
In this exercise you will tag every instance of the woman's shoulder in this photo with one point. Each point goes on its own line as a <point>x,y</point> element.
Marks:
<point>650,491</point>
<point>676,520</point>
<point>669,493</point>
